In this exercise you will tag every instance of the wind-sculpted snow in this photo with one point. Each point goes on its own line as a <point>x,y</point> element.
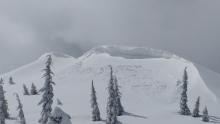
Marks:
<point>150,86</point>
<point>130,52</point>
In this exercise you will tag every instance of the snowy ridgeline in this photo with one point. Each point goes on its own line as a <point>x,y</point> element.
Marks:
<point>149,88</point>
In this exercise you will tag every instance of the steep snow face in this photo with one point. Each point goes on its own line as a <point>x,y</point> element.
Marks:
<point>150,85</point>
<point>211,78</point>
<point>158,78</point>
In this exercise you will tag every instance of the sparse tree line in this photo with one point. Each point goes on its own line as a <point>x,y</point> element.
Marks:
<point>184,109</point>
<point>46,101</point>
<point>33,90</point>
<point>10,81</point>
<point>113,110</point>
<point>114,106</point>
<point>4,114</point>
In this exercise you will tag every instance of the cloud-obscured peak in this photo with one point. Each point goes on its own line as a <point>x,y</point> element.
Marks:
<point>29,28</point>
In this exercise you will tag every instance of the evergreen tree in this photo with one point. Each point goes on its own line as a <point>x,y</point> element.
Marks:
<point>25,90</point>
<point>94,105</point>
<point>47,90</point>
<point>4,102</point>
<point>205,116</point>
<point>33,89</point>
<point>196,109</point>
<point>11,82</point>
<point>2,115</point>
<point>119,107</point>
<point>111,104</point>
<point>20,111</point>
<point>1,81</point>
<point>184,109</point>
<point>59,102</point>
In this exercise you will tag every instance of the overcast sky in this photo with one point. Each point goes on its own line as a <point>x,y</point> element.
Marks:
<point>29,28</point>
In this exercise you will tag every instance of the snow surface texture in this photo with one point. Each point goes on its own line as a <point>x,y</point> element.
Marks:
<point>148,78</point>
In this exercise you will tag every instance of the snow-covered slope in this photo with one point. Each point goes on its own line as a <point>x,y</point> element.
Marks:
<point>33,70</point>
<point>149,81</point>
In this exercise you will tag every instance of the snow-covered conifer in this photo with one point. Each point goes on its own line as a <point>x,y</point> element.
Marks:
<point>20,111</point>
<point>2,115</point>
<point>111,103</point>
<point>196,109</point>
<point>4,102</point>
<point>11,82</point>
<point>184,109</point>
<point>94,105</point>
<point>25,90</point>
<point>47,90</point>
<point>205,116</point>
<point>119,107</point>
<point>33,89</point>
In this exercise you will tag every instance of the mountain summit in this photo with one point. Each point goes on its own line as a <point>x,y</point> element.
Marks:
<point>149,80</point>
<point>130,52</point>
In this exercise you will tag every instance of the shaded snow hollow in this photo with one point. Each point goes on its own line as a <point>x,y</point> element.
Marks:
<point>149,81</point>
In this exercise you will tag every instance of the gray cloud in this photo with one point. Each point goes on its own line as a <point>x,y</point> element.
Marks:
<point>189,28</point>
